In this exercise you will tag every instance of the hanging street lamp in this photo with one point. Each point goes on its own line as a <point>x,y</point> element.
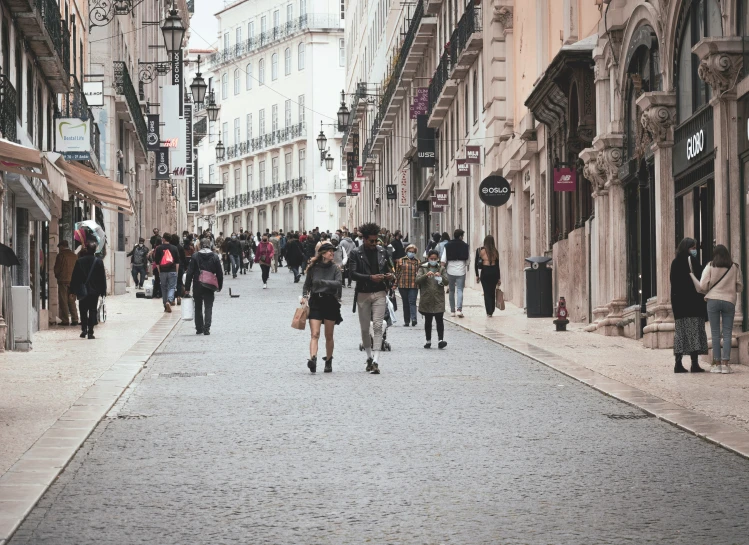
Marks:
<point>173,31</point>
<point>343,114</point>
<point>220,151</point>
<point>198,87</point>
<point>212,109</point>
<point>329,162</point>
<point>321,140</point>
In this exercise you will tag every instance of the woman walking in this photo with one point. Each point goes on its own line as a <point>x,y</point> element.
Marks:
<point>322,290</point>
<point>487,261</point>
<point>406,269</point>
<point>721,281</point>
<point>688,306</point>
<point>264,256</point>
<point>432,279</point>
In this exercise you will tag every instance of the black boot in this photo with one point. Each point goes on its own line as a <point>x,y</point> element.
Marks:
<point>312,364</point>
<point>91,333</point>
<point>678,367</point>
<point>696,364</point>
<point>328,364</point>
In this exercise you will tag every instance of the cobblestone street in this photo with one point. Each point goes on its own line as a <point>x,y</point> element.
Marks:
<point>474,444</point>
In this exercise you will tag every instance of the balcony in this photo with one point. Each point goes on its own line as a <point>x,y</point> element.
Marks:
<point>271,140</point>
<point>261,195</point>
<point>124,87</point>
<point>199,130</point>
<point>358,105</point>
<point>8,104</point>
<point>48,37</point>
<point>273,36</point>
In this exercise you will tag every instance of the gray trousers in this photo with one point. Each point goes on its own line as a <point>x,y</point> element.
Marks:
<point>371,307</point>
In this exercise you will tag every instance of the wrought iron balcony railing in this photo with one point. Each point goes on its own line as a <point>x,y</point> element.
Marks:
<point>74,103</point>
<point>57,30</point>
<point>8,104</point>
<point>124,86</point>
<point>257,196</point>
<point>265,141</point>
<point>359,94</point>
<point>441,75</point>
<point>200,130</point>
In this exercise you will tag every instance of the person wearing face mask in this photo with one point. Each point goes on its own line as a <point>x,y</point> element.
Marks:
<point>139,260</point>
<point>690,310</point>
<point>264,256</point>
<point>406,269</point>
<point>234,249</point>
<point>432,279</point>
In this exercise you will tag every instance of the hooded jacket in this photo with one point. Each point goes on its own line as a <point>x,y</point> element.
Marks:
<point>432,300</point>
<point>204,260</point>
<point>264,253</point>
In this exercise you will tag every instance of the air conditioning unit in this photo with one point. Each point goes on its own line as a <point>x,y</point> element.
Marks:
<point>22,317</point>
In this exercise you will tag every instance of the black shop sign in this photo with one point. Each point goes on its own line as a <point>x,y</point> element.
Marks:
<point>495,191</point>
<point>694,145</point>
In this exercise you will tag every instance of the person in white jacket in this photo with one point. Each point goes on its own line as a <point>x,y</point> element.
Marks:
<point>721,281</point>
<point>340,257</point>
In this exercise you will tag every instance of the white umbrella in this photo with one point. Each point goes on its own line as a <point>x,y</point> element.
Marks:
<point>96,230</point>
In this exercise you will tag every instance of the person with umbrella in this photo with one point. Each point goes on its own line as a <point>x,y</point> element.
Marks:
<point>64,265</point>
<point>88,282</point>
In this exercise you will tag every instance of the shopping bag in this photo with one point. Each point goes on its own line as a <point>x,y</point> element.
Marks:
<point>500,299</point>
<point>148,288</point>
<point>300,318</point>
<point>188,309</point>
<point>391,312</point>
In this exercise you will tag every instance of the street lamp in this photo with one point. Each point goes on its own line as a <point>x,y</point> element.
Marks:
<point>220,151</point>
<point>212,108</point>
<point>343,114</point>
<point>321,141</point>
<point>173,31</point>
<point>198,87</point>
<point>329,162</point>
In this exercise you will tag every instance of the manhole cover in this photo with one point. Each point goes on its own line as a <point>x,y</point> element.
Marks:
<point>181,375</point>
<point>628,416</point>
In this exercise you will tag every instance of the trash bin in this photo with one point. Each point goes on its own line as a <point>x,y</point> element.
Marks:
<point>538,297</point>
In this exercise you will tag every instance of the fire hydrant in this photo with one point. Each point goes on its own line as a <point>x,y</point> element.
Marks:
<point>561,321</point>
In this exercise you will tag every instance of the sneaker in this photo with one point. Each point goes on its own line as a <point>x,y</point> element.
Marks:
<point>452,314</point>
<point>715,367</point>
<point>460,314</point>
<point>442,344</point>
<point>265,286</point>
<point>312,364</point>
<point>179,301</point>
<point>167,307</point>
<point>428,345</point>
<point>83,335</point>
<point>375,369</point>
<point>91,335</point>
<point>370,363</point>
<point>726,369</point>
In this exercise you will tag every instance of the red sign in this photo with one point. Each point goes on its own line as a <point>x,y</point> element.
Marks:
<point>565,179</point>
<point>473,155</point>
<point>356,186</point>
<point>359,171</point>
<point>464,169</point>
<point>437,207</point>
<point>442,196</point>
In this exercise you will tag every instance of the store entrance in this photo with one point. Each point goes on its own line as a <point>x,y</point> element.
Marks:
<point>695,217</point>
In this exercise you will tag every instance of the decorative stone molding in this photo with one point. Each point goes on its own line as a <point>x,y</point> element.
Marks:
<point>658,115</point>
<point>721,60</point>
<point>502,14</point>
<point>609,160</point>
<point>592,171</point>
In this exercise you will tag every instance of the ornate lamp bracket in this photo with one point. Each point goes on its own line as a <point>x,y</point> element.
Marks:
<point>103,12</point>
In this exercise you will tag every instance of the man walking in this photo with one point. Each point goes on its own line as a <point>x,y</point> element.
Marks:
<point>348,246</point>
<point>294,256</point>
<point>371,269</point>
<point>234,249</point>
<point>166,258</point>
<point>89,272</point>
<point>203,260</point>
<point>276,241</point>
<point>155,239</point>
<point>138,260</point>
<point>397,244</point>
<point>64,265</point>
<point>455,257</point>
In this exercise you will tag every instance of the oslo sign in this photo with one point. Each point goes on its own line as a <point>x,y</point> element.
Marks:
<point>494,191</point>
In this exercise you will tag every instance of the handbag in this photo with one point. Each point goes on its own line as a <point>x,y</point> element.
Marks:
<point>188,309</point>
<point>300,317</point>
<point>207,279</point>
<point>82,290</point>
<point>694,279</point>
<point>499,298</point>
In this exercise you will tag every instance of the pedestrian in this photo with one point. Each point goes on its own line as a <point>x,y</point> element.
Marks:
<point>721,281</point>
<point>282,240</point>
<point>456,259</point>
<point>348,245</point>
<point>487,262</point>
<point>224,249</point>
<point>138,263</point>
<point>89,272</point>
<point>244,243</point>
<point>431,280</point>
<point>432,244</point>
<point>371,269</point>
<point>276,242</point>
<point>203,260</point>
<point>294,256</point>
<point>64,266</point>
<point>180,289</point>
<point>156,288</point>
<point>264,256</point>
<point>322,291</point>
<point>166,258</point>
<point>406,269</point>
<point>444,239</point>
<point>234,251</point>
<point>340,256</point>
<point>155,239</point>
<point>397,243</point>
<point>689,308</point>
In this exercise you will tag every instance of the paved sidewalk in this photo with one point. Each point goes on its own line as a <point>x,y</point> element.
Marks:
<point>38,386</point>
<point>724,398</point>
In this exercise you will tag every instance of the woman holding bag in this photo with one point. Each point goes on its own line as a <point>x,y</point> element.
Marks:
<point>264,256</point>
<point>688,306</point>
<point>207,262</point>
<point>721,281</point>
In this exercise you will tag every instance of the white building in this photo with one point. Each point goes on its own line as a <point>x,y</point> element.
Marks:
<point>277,74</point>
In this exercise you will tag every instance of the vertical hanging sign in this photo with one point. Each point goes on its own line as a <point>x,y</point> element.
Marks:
<point>162,164</point>
<point>177,75</point>
<point>153,140</point>
<point>187,110</point>
<point>404,190</point>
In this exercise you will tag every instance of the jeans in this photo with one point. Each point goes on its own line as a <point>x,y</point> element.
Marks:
<point>716,310</point>
<point>371,307</point>
<point>438,317</point>
<point>139,271</point>
<point>66,304</point>
<point>266,272</point>
<point>235,262</point>
<point>88,306</point>
<point>408,296</point>
<point>168,285</point>
<point>457,283</point>
<point>207,297</point>
<point>295,270</point>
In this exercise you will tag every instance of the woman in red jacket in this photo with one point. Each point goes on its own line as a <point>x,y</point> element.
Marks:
<point>264,256</point>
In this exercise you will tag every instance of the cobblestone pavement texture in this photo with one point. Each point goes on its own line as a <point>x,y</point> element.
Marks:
<point>40,385</point>
<point>471,445</point>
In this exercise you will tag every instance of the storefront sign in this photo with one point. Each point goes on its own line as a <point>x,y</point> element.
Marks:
<point>424,142</point>
<point>356,187</point>
<point>420,105</point>
<point>193,199</point>
<point>392,191</point>
<point>162,164</point>
<point>404,189</point>
<point>473,155</point>
<point>355,146</point>
<point>694,145</point>
<point>152,137</point>
<point>350,167</point>
<point>442,196</point>
<point>73,138</point>
<point>565,179</point>
<point>436,206</point>
<point>464,169</point>
<point>177,74</point>
<point>188,139</point>
<point>494,191</point>
<point>94,92</point>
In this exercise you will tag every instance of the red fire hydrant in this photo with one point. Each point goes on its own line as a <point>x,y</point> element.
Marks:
<point>561,321</point>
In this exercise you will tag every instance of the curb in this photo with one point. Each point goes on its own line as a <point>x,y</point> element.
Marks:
<point>701,425</point>
<point>23,485</point>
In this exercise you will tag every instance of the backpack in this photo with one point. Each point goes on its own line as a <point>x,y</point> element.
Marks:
<point>166,258</point>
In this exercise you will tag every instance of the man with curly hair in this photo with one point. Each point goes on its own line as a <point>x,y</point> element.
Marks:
<point>371,268</point>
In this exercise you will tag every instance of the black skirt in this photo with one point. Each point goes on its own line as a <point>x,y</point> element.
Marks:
<point>324,306</point>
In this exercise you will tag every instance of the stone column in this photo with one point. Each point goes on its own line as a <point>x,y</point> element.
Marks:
<point>597,176</point>
<point>658,118</point>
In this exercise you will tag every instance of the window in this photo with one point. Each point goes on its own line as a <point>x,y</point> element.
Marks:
<point>249,126</point>
<point>226,40</point>
<point>225,179</point>
<point>276,22</point>
<point>237,181</point>
<point>261,71</point>
<point>248,83</point>
<point>466,109</point>
<point>225,133</point>
<point>289,14</point>
<point>261,121</point>
<point>200,176</point>
<point>475,96</point>
<point>237,81</point>
<point>237,136</point>
<point>274,66</point>
<point>287,166</point>
<point>302,8</point>
<point>211,174</point>
<point>263,27</point>
<point>239,36</point>
<point>274,118</point>
<point>301,108</point>
<point>287,113</point>
<point>341,53</point>
<point>250,32</point>
<point>225,86</point>
<point>300,60</point>
<point>261,173</point>
<point>287,61</point>
<point>211,131</point>
<point>302,167</point>
<point>249,177</point>
<point>274,170</point>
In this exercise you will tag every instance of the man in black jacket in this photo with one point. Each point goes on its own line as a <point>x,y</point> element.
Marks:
<point>234,249</point>
<point>397,244</point>
<point>139,261</point>
<point>294,255</point>
<point>371,268</point>
<point>203,260</point>
<point>167,258</point>
<point>89,271</point>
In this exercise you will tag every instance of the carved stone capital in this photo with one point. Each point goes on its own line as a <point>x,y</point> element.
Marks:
<point>609,160</point>
<point>721,60</point>
<point>503,15</point>
<point>592,170</point>
<point>658,115</point>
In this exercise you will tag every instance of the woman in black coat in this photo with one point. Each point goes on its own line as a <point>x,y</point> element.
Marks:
<point>690,309</point>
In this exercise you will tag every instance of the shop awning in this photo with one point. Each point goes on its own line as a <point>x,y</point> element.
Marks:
<point>99,189</point>
<point>21,160</point>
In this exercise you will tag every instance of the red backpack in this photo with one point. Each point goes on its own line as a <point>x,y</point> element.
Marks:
<point>166,258</point>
